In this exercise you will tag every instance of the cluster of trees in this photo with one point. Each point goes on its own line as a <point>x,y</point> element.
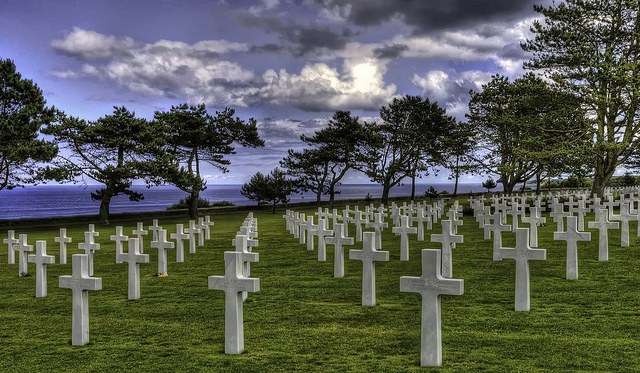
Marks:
<point>578,114</point>
<point>116,149</point>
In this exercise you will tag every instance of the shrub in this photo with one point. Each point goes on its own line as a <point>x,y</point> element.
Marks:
<point>431,192</point>
<point>184,203</point>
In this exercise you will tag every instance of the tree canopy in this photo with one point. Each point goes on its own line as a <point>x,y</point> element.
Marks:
<point>525,127</point>
<point>187,136</point>
<point>408,141</point>
<point>23,112</point>
<point>110,150</point>
<point>592,49</point>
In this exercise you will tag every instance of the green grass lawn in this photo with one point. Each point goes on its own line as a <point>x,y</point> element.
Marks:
<point>305,320</point>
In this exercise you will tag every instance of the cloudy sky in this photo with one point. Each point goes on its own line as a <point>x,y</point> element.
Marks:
<point>288,63</point>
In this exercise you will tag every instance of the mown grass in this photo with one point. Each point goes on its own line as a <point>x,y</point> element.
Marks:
<point>305,320</point>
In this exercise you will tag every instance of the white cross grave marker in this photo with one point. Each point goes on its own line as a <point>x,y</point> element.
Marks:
<point>403,231</point>
<point>358,219</point>
<point>191,231</point>
<point>312,229</point>
<point>154,228</point>
<point>12,242</point>
<point>63,240</point>
<point>140,232</point>
<point>369,256</point>
<point>322,232</point>
<point>41,259</point>
<point>572,236</point>
<point>602,224</point>
<point>207,226</point>
<point>241,244</point>
<point>522,254</point>
<point>119,238</point>
<point>233,283</point>
<point>534,221</point>
<point>431,285</point>
<point>89,248</point>
<point>23,248</point>
<point>133,257</point>
<point>179,236</point>
<point>79,283</point>
<point>497,227</point>
<point>447,239</point>
<point>162,245</point>
<point>338,240</point>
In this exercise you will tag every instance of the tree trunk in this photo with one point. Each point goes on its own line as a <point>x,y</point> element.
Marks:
<point>413,186</point>
<point>273,211</point>
<point>602,176</point>
<point>538,182</point>
<point>332,196</point>
<point>104,208</point>
<point>193,205</point>
<point>385,194</point>
<point>456,172</point>
<point>507,186</point>
<point>318,197</point>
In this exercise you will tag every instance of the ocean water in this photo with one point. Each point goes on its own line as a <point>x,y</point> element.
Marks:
<point>69,200</point>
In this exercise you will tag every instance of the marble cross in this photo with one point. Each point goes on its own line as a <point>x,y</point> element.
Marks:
<point>522,254</point>
<point>322,232</point>
<point>162,245</point>
<point>92,231</point>
<point>89,248</point>
<point>403,231</point>
<point>233,283</point>
<point>133,257</point>
<point>80,283</point>
<point>119,238</point>
<point>534,220</point>
<point>302,239</point>
<point>497,227</point>
<point>41,259</point>
<point>447,239</point>
<point>624,217</point>
<point>358,219</point>
<point>602,224</point>
<point>241,244</point>
<point>63,240</point>
<point>338,240</point>
<point>154,228</point>
<point>572,236</point>
<point>191,231</point>
<point>312,229</point>
<point>378,225</point>
<point>140,232</point>
<point>12,242</point>
<point>421,218</point>
<point>431,285</point>
<point>345,219</point>
<point>369,256</point>
<point>201,231</point>
<point>179,237</point>
<point>23,248</point>
<point>207,226</point>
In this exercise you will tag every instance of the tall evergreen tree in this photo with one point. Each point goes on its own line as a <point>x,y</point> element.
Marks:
<point>592,49</point>
<point>23,112</point>
<point>189,136</point>
<point>110,150</point>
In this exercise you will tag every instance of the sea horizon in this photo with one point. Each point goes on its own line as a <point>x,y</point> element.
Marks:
<point>47,200</point>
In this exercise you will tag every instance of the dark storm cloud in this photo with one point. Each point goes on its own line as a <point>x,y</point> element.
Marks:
<point>297,39</point>
<point>390,51</point>
<point>427,16</point>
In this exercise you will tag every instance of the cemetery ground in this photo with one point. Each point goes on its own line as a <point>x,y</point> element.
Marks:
<point>303,319</point>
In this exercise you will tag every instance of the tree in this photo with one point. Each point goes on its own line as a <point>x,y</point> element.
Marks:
<point>459,153</point>
<point>329,154</point>
<point>408,141</point>
<point>22,114</point>
<point>274,188</point>
<point>281,188</point>
<point>257,188</point>
<point>592,49</point>
<point>524,128</point>
<point>489,184</point>
<point>188,136</point>
<point>109,150</point>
